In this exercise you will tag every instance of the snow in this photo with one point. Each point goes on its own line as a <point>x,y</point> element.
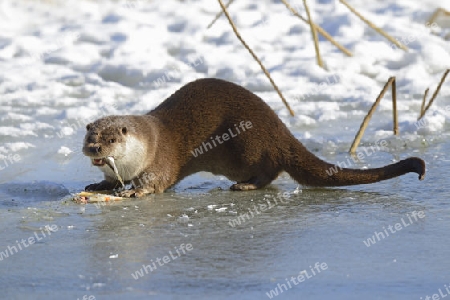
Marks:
<point>64,151</point>
<point>65,63</point>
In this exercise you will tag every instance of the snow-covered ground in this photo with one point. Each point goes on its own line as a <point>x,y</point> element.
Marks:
<point>67,62</point>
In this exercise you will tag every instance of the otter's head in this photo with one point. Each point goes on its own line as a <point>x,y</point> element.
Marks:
<point>106,137</point>
<point>119,138</point>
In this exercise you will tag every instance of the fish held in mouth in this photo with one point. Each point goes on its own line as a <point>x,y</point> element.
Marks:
<point>109,160</point>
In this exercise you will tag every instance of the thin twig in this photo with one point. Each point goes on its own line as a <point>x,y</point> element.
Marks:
<point>394,106</point>
<point>422,108</point>
<point>219,14</point>
<point>435,93</point>
<point>437,12</point>
<point>377,29</point>
<point>366,120</point>
<point>314,35</point>
<point>434,15</point>
<point>319,29</point>
<point>255,57</point>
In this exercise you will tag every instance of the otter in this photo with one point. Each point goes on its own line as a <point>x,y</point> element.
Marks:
<point>215,126</point>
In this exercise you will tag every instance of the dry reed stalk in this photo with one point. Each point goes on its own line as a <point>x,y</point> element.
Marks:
<point>319,29</point>
<point>366,120</point>
<point>255,57</point>
<point>314,35</point>
<point>437,12</point>
<point>219,14</point>
<point>422,108</point>
<point>434,94</point>
<point>377,29</point>
<point>394,106</point>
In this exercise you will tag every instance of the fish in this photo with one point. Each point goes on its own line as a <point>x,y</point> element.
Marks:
<point>110,162</point>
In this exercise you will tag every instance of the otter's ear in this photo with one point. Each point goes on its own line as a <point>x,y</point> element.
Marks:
<point>88,126</point>
<point>124,130</point>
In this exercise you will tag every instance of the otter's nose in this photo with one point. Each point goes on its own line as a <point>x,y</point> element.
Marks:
<point>95,149</point>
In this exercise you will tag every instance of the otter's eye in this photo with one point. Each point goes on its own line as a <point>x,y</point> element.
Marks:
<point>111,141</point>
<point>124,130</point>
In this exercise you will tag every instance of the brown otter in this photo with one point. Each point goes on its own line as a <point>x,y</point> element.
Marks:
<point>215,126</point>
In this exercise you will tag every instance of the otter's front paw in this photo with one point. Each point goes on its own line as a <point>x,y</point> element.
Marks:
<point>131,193</point>
<point>101,186</point>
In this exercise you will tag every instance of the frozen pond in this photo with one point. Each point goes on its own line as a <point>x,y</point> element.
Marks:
<point>101,250</point>
<point>67,63</point>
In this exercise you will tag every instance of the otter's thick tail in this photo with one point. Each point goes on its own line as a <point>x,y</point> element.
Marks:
<point>308,169</point>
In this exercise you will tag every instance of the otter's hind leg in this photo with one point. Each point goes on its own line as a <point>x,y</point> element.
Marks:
<point>243,186</point>
<point>253,183</point>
